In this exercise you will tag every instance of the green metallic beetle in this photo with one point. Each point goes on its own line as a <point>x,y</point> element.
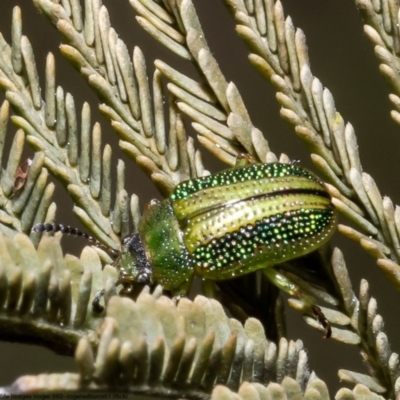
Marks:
<point>228,224</point>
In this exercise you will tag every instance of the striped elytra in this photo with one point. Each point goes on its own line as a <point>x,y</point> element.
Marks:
<point>235,222</point>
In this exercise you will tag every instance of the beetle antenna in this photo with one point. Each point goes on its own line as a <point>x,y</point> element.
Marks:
<point>68,230</point>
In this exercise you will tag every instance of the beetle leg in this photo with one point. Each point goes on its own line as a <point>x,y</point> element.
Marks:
<point>183,289</point>
<point>96,306</point>
<point>322,320</point>
<point>208,288</point>
<point>244,160</point>
<point>285,284</point>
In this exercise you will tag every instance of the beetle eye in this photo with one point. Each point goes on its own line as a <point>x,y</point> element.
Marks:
<point>126,240</point>
<point>143,278</point>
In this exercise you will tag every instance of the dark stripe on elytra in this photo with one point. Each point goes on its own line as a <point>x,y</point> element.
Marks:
<point>320,193</point>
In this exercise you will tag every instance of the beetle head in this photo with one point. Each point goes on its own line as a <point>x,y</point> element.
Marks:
<point>134,265</point>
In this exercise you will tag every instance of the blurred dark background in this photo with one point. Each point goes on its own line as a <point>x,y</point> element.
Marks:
<point>341,57</point>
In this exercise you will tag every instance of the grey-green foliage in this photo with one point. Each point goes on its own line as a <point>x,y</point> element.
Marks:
<point>191,348</point>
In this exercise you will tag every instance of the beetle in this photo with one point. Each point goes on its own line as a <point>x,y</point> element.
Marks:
<point>243,219</point>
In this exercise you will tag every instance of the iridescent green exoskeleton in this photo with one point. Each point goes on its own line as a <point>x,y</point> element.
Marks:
<point>228,224</point>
